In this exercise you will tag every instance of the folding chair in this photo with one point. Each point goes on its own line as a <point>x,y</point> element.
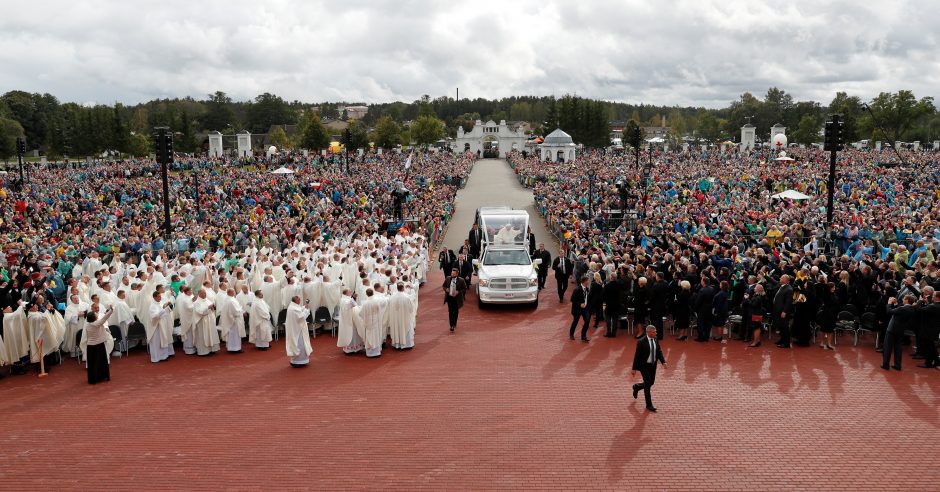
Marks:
<point>78,341</point>
<point>118,338</point>
<point>867,323</point>
<point>136,332</point>
<point>845,321</point>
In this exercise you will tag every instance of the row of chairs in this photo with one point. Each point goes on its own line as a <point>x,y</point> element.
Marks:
<point>847,320</point>
<point>322,317</point>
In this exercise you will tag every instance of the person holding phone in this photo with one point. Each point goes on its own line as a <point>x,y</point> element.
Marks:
<point>96,354</point>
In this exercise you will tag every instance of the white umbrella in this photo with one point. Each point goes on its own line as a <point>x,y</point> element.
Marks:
<point>783,157</point>
<point>282,170</point>
<point>791,195</point>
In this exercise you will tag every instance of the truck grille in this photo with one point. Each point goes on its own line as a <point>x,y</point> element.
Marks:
<point>511,283</point>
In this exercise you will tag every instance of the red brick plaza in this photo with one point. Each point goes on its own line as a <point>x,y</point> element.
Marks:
<point>508,402</point>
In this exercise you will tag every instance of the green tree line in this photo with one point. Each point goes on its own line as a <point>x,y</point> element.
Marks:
<point>58,128</point>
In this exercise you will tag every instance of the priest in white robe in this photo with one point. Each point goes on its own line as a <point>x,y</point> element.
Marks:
<point>160,328</point>
<point>47,325</point>
<point>15,334</point>
<point>231,321</point>
<point>298,336</point>
<point>331,294</point>
<point>273,294</point>
<point>259,322</point>
<point>347,335</point>
<point>205,333</point>
<point>401,314</point>
<point>74,323</point>
<point>185,304</point>
<point>372,315</point>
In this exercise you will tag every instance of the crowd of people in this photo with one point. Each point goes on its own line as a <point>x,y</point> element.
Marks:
<point>710,245</point>
<point>249,252</point>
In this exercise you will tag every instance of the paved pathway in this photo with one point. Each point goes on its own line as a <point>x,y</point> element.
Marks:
<point>494,183</point>
<point>506,403</point>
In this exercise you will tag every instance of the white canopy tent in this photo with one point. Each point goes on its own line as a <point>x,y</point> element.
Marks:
<point>783,157</point>
<point>282,170</point>
<point>791,195</point>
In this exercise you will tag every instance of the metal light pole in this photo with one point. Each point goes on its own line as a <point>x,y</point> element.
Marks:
<point>164,158</point>
<point>833,143</point>
<point>196,189</point>
<point>590,174</point>
<point>646,179</point>
<point>636,145</point>
<point>20,150</point>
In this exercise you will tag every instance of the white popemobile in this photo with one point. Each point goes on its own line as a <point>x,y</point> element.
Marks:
<point>507,275</point>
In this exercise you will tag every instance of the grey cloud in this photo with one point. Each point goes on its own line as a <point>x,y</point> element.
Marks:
<point>682,52</point>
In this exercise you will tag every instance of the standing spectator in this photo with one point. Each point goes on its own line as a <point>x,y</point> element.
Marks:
<point>783,303</point>
<point>681,309</point>
<point>454,290</point>
<point>902,317</point>
<point>930,314</point>
<point>612,305</point>
<point>476,241</point>
<point>579,309</point>
<point>563,270</point>
<point>720,311</point>
<point>703,309</point>
<point>96,354</point>
<point>659,303</point>
<point>546,257</point>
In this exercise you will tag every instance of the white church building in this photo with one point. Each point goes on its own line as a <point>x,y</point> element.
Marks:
<point>489,139</point>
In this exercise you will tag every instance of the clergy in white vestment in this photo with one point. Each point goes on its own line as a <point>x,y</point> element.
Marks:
<point>298,336</point>
<point>74,323</point>
<point>313,291</point>
<point>231,321</point>
<point>160,328</point>
<point>331,294</point>
<point>347,335</point>
<point>401,314</point>
<point>186,303</point>
<point>371,313</point>
<point>293,287</point>
<point>380,294</point>
<point>15,334</point>
<point>205,333</point>
<point>273,294</point>
<point>48,326</point>
<point>122,315</point>
<point>260,328</point>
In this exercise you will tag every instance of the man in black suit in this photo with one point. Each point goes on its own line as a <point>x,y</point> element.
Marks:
<point>531,242</point>
<point>783,302</point>
<point>703,309</point>
<point>612,305</point>
<point>580,308</point>
<point>454,291</point>
<point>659,302</point>
<point>476,241</point>
<point>546,257</point>
<point>446,259</point>
<point>562,266</point>
<point>464,269</point>
<point>648,352</point>
<point>930,316</point>
<point>902,318</point>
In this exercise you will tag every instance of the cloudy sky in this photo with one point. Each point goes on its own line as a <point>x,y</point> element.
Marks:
<point>685,52</point>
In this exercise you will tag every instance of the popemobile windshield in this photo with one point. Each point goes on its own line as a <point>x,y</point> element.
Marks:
<point>507,275</point>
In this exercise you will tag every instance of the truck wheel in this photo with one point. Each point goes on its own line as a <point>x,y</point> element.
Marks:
<point>480,304</point>
<point>535,305</point>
